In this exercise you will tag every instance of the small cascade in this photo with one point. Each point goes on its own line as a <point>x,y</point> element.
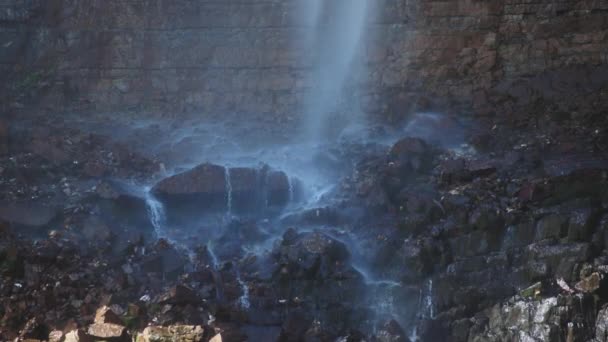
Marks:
<point>228,193</point>
<point>414,335</point>
<point>215,265</point>
<point>426,301</point>
<point>214,260</point>
<point>290,198</point>
<point>244,299</point>
<point>156,211</point>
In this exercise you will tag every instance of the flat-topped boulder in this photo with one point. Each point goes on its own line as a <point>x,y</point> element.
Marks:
<point>203,179</point>
<point>215,188</point>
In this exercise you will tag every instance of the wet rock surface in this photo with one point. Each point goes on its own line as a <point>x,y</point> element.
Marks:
<point>116,227</point>
<point>416,242</point>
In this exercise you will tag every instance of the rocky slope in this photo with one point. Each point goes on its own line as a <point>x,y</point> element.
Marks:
<point>500,239</point>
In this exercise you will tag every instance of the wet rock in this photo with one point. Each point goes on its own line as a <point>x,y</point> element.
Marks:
<point>164,259</point>
<point>546,319</point>
<point>210,187</point>
<point>601,325</point>
<point>27,214</point>
<point>410,155</point>
<point>561,259</point>
<point>179,294</point>
<point>552,226</point>
<point>581,224</point>
<point>279,188</point>
<point>95,229</point>
<point>392,332</point>
<point>185,333</point>
<point>108,331</point>
<point>313,254</point>
<point>205,179</point>
<point>3,138</point>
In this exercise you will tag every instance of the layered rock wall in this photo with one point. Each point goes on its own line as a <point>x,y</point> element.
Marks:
<point>241,56</point>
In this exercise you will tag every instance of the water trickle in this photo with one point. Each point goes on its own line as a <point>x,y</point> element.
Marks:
<point>214,260</point>
<point>156,211</point>
<point>244,299</point>
<point>228,192</point>
<point>428,309</point>
<point>290,188</point>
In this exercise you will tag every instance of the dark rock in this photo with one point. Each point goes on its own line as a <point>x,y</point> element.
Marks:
<point>3,138</point>
<point>105,315</point>
<point>552,226</point>
<point>410,155</point>
<point>179,294</point>
<point>205,179</point>
<point>27,214</point>
<point>95,230</point>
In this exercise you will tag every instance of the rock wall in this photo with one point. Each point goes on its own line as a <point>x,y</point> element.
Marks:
<point>235,56</point>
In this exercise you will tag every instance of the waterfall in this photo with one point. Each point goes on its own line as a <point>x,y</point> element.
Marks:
<point>156,211</point>
<point>228,192</point>
<point>337,30</point>
<point>426,298</point>
<point>290,187</point>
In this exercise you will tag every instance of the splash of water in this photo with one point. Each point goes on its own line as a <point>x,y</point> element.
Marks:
<point>228,192</point>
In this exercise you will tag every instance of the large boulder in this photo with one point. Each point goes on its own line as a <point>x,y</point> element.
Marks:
<point>203,179</point>
<point>215,188</point>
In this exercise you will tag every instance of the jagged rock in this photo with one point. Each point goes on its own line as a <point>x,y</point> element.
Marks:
<point>601,325</point>
<point>56,336</point>
<point>312,253</point>
<point>589,284</point>
<point>179,294</point>
<point>185,333</point>
<point>105,315</point>
<point>108,331</point>
<point>410,155</point>
<point>77,336</point>
<point>392,332</point>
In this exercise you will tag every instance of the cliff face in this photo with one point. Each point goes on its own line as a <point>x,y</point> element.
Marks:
<point>240,56</point>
